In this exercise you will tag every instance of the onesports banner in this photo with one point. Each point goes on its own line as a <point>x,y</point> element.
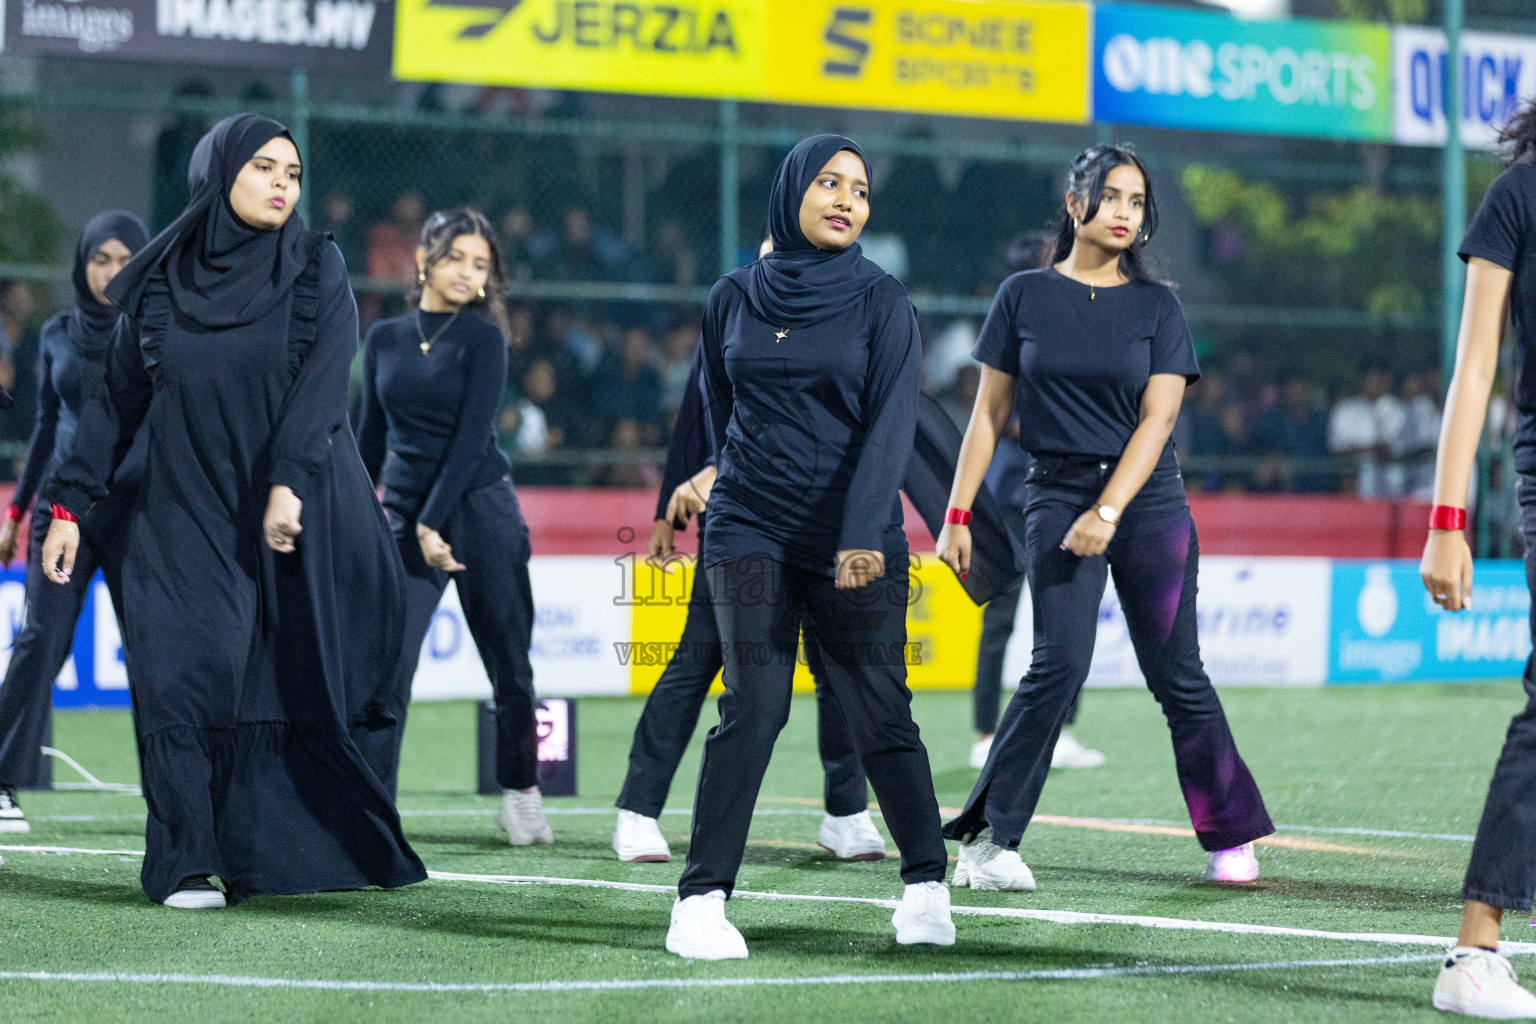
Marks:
<point>1188,69</point>
<point>1498,73</point>
<point>350,37</point>
<point>993,58</point>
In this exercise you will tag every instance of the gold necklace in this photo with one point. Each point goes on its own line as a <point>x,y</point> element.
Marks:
<point>782,333</point>
<point>427,343</point>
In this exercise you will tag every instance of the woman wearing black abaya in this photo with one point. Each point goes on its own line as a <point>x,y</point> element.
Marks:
<point>262,595</point>
<point>811,374</point>
<point>71,356</point>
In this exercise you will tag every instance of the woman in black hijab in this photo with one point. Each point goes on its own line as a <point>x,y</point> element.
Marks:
<point>811,373</point>
<point>262,596</point>
<point>71,370</point>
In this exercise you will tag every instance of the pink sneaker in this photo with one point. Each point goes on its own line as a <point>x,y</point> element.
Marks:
<point>1235,865</point>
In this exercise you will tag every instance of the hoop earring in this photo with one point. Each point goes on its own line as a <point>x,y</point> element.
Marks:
<point>421,277</point>
<point>482,291</point>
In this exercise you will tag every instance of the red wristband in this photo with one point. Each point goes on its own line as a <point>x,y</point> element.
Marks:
<point>1447,517</point>
<point>60,512</point>
<point>959,516</point>
<point>16,514</point>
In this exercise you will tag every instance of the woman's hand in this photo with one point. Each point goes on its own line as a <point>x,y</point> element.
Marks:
<point>954,547</point>
<point>281,523</point>
<point>8,542</point>
<point>857,567</point>
<point>1089,536</point>
<point>691,496</point>
<point>59,549</point>
<point>437,552</point>
<point>661,545</point>
<point>1446,569</point>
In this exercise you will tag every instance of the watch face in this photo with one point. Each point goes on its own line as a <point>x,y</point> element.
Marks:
<point>1109,515</point>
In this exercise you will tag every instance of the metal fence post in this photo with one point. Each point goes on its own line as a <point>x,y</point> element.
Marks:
<point>730,187</point>
<point>1453,191</point>
<point>299,126</point>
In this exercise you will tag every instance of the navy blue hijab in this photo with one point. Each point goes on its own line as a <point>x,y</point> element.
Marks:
<point>222,272</point>
<point>91,322</point>
<point>797,284</point>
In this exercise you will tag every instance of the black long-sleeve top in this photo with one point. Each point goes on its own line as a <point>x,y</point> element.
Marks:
<point>429,419</point>
<point>689,450</point>
<point>811,432</point>
<point>300,445</point>
<point>67,377</point>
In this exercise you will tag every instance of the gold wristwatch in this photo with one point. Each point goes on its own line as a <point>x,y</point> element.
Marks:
<point>1108,513</point>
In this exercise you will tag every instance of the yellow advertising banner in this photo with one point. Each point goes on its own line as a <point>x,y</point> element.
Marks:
<point>706,49</point>
<point>1023,59</point>
<point>984,58</point>
<point>943,627</point>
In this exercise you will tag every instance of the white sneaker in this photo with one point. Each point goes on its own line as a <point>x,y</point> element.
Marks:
<point>985,865</point>
<point>700,931</point>
<point>638,840</point>
<point>1071,754</point>
<point>923,917</point>
<point>979,751</point>
<point>1235,865</point>
<point>11,817</point>
<point>196,897</point>
<point>1481,983</point>
<point>851,837</point>
<point>522,817</point>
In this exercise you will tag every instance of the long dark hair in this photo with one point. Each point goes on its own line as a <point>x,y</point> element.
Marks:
<point>1085,180</point>
<point>1518,136</point>
<point>437,237</point>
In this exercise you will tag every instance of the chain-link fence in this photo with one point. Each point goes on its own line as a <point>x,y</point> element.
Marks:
<point>1301,264</point>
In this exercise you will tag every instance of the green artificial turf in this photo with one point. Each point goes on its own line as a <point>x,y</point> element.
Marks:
<point>1411,758</point>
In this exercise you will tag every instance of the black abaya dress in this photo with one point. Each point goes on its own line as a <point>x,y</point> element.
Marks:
<point>254,671</point>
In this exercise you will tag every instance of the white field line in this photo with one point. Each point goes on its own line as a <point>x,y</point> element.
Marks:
<point>487,812</point>
<point>70,849</point>
<point>627,984</point>
<point>1025,913</point>
<point>1028,913</point>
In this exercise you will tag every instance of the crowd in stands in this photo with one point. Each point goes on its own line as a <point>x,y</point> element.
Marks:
<point>591,375</point>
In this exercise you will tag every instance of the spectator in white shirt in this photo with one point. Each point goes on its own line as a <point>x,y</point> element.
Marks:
<point>1370,425</point>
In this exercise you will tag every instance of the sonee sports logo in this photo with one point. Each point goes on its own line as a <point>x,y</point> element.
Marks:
<point>850,48</point>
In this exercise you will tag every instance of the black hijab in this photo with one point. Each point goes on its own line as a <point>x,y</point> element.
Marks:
<point>222,272</point>
<point>797,284</point>
<point>91,322</point>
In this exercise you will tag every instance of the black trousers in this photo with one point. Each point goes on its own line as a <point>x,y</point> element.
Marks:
<point>759,605</point>
<point>672,710</point>
<point>490,538</point>
<point>39,653</point>
<point>1502,871</point>
<point>1155,558</point>
<point>997,620</point>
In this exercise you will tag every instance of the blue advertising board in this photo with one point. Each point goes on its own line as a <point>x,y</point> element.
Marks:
<point>94,675</point>
<point>1385,628</point>
<point>1192,69</point>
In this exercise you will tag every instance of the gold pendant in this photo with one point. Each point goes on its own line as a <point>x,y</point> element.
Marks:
<point>426,347</point>
<point>783,333</point>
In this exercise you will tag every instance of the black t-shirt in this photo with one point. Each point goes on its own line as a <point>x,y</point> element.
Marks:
<point>812,431</point>
<point>434,413</point>
<point>1500,233</point>
<point>1082,363</point>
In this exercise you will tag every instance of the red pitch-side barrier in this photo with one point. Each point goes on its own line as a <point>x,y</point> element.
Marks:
<point>597,521</point>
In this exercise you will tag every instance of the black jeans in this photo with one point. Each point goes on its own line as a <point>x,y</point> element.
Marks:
<point>1502,872</point>
<point>490,538</point>
<point>759,605</point>
<point>40,650</point>
<point>672,710</point>
<point>997,620</point>
<point>1154,557</point>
